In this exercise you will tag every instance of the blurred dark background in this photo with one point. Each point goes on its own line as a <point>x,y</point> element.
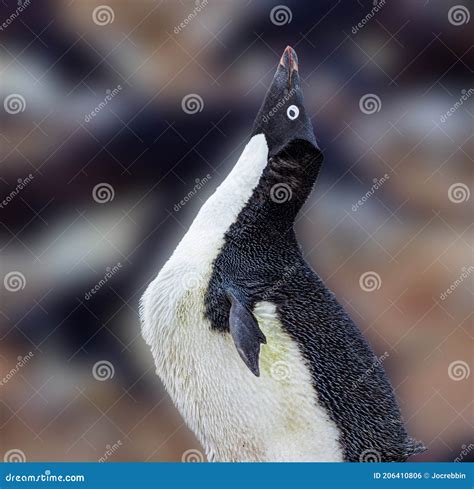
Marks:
<point>92,201</point>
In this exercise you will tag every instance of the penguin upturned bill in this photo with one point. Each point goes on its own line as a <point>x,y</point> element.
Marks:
<point>257,354</point>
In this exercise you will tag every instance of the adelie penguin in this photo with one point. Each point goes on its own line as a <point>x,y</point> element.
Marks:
<point>257,354</point>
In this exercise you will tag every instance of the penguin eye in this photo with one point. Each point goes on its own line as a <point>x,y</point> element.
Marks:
<point>292,112</point>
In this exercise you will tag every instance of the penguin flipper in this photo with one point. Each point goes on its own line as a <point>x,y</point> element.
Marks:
<point>245,332</point>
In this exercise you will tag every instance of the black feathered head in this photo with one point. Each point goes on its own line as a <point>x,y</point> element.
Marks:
<point>282,117</point>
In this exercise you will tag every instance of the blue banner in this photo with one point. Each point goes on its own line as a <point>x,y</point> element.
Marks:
<point>176,475</point>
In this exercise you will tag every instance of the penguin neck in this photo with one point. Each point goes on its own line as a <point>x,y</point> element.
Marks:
<point>284,186</point>
<point>261,197</point>
<point>222,209</point>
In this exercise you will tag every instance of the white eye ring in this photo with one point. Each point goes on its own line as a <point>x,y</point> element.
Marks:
<point>292,112</point>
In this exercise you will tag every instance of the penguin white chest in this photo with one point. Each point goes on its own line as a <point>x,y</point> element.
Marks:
<point>235,415</point>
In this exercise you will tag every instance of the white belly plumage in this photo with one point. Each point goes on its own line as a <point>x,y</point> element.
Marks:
<point>235,415</point>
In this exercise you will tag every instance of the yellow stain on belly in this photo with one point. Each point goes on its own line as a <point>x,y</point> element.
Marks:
<point>281,361</point>
<point>275,356</point>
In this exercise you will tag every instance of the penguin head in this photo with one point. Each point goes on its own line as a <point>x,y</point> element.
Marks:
<point>294,158</point>
<point>282,117</point>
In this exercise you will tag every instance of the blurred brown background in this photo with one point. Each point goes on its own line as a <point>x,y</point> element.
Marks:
<point>389,226</point>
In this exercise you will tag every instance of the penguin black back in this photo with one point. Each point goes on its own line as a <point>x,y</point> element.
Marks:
<point>262,261</point>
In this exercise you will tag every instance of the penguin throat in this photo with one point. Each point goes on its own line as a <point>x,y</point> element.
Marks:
<point>283,188</point>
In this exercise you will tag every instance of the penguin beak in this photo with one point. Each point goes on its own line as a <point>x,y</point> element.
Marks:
<point>289,61</point>
<point>284,93</point>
